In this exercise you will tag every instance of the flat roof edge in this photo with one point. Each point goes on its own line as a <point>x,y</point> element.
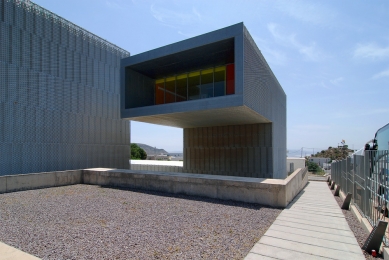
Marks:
<point>187,44</point>
<point>184,107</point>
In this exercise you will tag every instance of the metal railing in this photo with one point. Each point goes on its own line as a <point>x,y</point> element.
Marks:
<point>366,177</point>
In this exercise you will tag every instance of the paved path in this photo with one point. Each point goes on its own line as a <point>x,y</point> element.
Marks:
<point>311,227</point>
<point>10,253</point>
<point>317,178</point>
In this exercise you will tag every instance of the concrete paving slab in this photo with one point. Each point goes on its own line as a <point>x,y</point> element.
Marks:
<point>254,256</point>
<point>315,222</point>
<point>314,234</point>
<point>317,178</point>
<point>315,211</point>
<point>261,250</point>
<point>327,208</point>
<point>318,202</point>
<point>316,206</point>
<point>314,228</point>
<point>10,253</point>
<point>309,189</point>
<point>311,227</point>
<point>307,209</point>
<point>322,251</point>
<point>310,215</point>
<point>303,239</point>
<point>321,199</point>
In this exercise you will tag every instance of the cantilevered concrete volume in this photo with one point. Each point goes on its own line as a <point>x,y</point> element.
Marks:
<point>219,88</point>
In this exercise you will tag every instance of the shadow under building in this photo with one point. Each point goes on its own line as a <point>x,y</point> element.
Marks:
<point>219,88</point>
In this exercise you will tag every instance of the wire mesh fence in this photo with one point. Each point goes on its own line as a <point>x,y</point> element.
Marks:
<point>366,177</point>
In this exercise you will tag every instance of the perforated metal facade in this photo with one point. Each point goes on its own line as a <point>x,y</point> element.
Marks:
<point>59,94</point>
<point>264,94</point>
<point>234,150</point>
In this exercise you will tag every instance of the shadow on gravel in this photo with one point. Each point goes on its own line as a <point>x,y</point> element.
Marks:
<point>246,205</point>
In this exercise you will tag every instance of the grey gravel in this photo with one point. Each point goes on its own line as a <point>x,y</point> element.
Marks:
<point>356,227</point>
<point>91,222</point>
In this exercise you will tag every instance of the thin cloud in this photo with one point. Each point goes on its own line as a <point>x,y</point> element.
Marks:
<point>323,85</point>
<point>174,18</point>
<point>382,74</point>
<point>189,35</point>
<point>336,81</point>
<point>310,51</point>
<point>199,16</point>
<point>273,56</point>
<point>305,11</point>
<point>115,4</point>
<point>371,51</point>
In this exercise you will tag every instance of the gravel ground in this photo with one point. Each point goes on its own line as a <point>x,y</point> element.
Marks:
<point>90,222</point>
<point>356,227</point>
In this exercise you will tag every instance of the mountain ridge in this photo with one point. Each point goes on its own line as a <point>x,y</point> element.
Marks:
<point>151,150</point>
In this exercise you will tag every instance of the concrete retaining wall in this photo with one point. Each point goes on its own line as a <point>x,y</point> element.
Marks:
<point>10,183</point>
<point>272,192</point>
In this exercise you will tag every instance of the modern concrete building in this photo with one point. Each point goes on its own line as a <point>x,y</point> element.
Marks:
<point>59,94</point>
<point>221,91</point>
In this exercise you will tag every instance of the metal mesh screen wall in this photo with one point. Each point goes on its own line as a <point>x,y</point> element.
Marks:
<point>263,94</point>
<point>59,94</point>
<point>235,150</point>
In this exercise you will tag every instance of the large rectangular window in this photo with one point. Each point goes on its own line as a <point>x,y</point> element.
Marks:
<point>181,87</point>
<point>206,87</point>
<point>206,83</point>
<point>230,86</point>
<point>170,90</point>
<point>160,91</point>
<point>220,81</point>
<point>194,85</point>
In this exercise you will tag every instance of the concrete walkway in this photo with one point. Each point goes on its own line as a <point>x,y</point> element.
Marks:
<point>10,253</point>
<point>317,178</point>
<point>311,227</point>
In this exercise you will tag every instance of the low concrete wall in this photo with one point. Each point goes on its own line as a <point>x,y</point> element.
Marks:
<point>272,192</point>
<point>158,168</point>
<point>174,166</point>
<point>295,183</point>
<point>298,163</point>
<point>9,183</point>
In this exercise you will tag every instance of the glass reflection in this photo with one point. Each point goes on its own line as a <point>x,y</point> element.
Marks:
<point>206,83</point>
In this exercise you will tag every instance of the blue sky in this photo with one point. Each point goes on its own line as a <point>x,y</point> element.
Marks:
<point>331,57</point>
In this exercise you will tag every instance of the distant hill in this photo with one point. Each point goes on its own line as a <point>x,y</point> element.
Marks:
<point>151,150</point>
<point>334,153</point>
